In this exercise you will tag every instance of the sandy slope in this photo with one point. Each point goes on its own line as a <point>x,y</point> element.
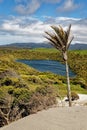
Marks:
<point>58,118</point>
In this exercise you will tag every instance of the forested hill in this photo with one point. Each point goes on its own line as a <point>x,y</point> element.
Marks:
<point>76,46</point>
<point>28,45</point>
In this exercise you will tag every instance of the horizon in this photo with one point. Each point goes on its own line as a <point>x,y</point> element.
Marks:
<point>26,20</point>
<point>37,43</point>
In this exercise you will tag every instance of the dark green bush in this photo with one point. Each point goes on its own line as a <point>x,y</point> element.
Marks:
<point>6,81</point>
<point>46,90</point>
<point>21,84</point>
<point>21,95</point>
<point>80,81</point>
<point>74,96</point>
<point>10,90</point>
<point>34,79</point>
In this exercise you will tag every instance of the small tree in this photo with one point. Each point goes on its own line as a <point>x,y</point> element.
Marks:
<point>61,40</point>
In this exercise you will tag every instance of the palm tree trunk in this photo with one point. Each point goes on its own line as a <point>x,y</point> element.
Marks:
<point>68,84</point>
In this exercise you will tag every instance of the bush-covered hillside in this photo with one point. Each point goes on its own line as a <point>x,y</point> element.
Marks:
<point>24,90</point>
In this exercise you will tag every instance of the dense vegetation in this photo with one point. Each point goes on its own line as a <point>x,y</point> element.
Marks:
<point>24,90</point>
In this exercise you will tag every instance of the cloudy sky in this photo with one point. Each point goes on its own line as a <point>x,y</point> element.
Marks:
<point>26,20</point>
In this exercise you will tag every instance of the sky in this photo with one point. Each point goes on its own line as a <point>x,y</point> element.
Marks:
<point>24,21</point>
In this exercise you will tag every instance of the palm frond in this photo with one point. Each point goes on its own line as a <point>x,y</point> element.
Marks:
<point>58,33</point>
<point>63,33</point>
<point>68,32</point>
<point>53,42</point>
<point>54,38</point>
<point>68,44</point>
<point>60,38</point>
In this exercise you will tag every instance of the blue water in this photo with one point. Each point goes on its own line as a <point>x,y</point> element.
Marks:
<point>48,66</point>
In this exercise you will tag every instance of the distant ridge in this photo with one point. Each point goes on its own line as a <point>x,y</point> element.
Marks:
<point>28,45</point>
<point>76,46</point>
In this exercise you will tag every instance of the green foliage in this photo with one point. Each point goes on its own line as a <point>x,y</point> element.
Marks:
<point>10,90</point>
<point>34,79</point>
<point>30,77</point>
<point>1,93</point>
<point>47,90</point>
<point>79,66</point>
<point>80,81</point>
<point>21,95</point>
<point>16,82</point>
<point>6,81</point>
<point>74,96</point>
<point>23,88</point>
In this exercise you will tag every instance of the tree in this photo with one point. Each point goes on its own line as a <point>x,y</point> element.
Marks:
<point>61,40</point>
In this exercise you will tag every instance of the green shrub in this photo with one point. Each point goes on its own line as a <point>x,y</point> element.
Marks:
<point>22,94</point>
<point>42,99</point>
<point>21,84</point>
<point>80,81</point>
<point>10,90</point>
<point>74,96</point>
<point>34,79</point>
<point>6,81</point>
<point>46,90</point>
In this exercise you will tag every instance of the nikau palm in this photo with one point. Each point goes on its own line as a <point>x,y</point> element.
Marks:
<point>61,40</point>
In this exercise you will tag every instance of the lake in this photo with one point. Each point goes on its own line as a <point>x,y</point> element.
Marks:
<point>48,66</point>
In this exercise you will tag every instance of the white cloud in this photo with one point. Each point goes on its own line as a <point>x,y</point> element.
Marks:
<point>28,29</point>
<point>80,32</point>
<point>22,29</point>
<point>28,7</point>
<point>68,6</point>
<point>25,7</point>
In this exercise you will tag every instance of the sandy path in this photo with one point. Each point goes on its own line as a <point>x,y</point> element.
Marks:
<point>59,118</point>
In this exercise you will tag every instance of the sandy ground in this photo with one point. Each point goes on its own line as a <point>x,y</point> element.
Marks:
<point>58,118</point>
<point>80,102</point>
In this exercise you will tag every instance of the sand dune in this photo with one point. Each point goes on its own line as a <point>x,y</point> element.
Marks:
<point>58,118</point>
